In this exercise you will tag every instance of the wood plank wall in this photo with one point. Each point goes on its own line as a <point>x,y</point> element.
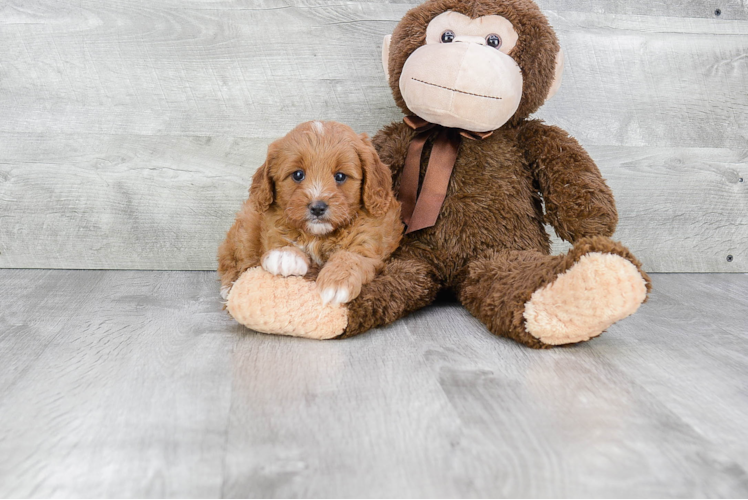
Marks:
<point>129,130</point>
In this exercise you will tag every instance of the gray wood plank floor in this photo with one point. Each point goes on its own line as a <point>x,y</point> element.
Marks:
<point>126,383</point>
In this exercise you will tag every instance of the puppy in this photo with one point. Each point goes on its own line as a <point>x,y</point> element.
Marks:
<point>322,199</point>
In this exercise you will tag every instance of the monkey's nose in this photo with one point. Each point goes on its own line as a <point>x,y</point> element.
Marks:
<point>318,208</point>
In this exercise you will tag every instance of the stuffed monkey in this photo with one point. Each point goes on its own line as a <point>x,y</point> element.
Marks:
<point>477,179</point>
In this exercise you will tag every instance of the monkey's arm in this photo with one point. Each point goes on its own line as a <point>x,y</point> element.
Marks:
<point>392,144</point>
<point>578,203</point>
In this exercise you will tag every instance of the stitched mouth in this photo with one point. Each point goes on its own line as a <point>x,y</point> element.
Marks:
<point>456,90</point>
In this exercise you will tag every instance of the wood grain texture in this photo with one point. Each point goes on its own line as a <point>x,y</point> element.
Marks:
<point>652,81</point>
<point>136,384</point>
<point>120,201</point>
<point>112,384</point>
<point>701,9</point>
<point>166,202</point>
<point>160,68</point>
<point>129,130</point>
<point>679,208</point>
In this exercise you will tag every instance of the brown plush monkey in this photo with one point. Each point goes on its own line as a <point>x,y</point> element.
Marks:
<point>478,179</point>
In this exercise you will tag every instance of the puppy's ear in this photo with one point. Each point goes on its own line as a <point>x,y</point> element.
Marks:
<point>377,185</point>
<point>261,192</point>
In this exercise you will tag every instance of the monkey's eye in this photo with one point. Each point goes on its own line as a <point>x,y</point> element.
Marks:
<point>448,36</point>
<point>340,177</point>
<point>493,40</point>
<point>298,176</point>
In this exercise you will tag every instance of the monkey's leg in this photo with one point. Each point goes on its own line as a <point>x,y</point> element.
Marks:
<point>293,305</point>
<point>406,284</point>
<point>543,301</point>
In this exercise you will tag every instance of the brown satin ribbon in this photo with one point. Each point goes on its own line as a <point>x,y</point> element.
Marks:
<point>421,210</point>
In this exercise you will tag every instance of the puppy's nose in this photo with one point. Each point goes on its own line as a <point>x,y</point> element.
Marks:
<point>318,208</point>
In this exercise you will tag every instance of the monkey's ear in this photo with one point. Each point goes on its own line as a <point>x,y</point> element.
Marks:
<point>386,56</point>
<point>560,59</point>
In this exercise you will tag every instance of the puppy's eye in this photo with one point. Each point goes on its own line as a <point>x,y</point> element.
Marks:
<point>493,40</point>
<point>448,36</point>
<point>340,177</point>
<point>298,176</point>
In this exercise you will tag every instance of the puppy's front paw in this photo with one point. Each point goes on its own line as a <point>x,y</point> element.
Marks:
<point>286,261</point>
<point>337,285</point>
<point>336,294</point>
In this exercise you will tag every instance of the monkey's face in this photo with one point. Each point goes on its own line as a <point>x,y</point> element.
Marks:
<point>463,76</point>
<point>476,65</point>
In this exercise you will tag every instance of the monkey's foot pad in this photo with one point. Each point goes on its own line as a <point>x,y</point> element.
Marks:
<point>284,306</point>
<point>594,293</point>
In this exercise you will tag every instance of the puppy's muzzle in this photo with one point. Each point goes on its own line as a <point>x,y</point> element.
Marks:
<point>318,209</point>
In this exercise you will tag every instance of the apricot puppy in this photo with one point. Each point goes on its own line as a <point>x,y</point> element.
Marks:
<point>322,199</point>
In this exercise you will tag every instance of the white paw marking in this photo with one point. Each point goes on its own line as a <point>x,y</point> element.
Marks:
<point>336,295</point>
<point>285,263</point>
<point>318,127</point>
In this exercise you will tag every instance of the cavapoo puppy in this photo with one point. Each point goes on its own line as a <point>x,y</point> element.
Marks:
<point>321,201</point>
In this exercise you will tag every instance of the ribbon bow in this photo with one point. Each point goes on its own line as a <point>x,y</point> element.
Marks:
<point>421,211</point>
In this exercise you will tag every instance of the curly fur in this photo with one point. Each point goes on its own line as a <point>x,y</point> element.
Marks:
<point>360,228</point>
